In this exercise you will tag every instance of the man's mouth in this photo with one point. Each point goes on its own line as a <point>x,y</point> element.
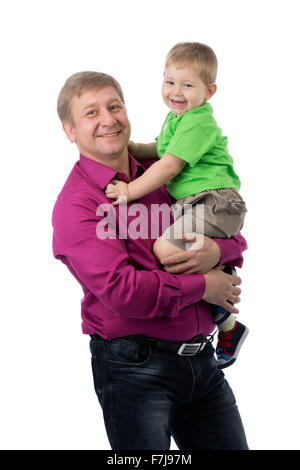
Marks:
<point>109,134</point>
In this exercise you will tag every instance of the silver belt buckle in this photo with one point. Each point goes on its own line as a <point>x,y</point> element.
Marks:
<point>190,349</point>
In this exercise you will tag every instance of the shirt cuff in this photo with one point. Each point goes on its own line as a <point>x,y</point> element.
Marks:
<point>193,288</point>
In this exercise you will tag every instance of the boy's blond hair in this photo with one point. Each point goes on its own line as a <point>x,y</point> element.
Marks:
<point>76,84</point>
<point>200,56</point>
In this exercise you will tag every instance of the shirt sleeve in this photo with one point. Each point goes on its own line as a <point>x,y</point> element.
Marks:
<point>104,267</point>
<point>232,249</point>
<point>192,140</point>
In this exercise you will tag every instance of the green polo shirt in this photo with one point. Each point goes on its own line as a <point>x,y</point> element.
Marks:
<point>195,138</point>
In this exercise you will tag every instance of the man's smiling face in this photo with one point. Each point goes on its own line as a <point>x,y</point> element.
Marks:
<point>100,126</point>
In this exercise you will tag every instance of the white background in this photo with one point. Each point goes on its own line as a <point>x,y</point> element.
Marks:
<point>47,396</point>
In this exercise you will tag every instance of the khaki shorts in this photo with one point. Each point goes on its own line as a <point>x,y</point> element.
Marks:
<point>216,213</point>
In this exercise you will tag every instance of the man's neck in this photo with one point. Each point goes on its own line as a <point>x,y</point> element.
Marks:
<point>120,164</point>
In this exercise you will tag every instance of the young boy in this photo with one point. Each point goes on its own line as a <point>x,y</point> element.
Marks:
<point>197,169</point>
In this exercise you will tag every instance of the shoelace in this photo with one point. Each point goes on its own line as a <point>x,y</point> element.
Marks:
<point>224,339</point>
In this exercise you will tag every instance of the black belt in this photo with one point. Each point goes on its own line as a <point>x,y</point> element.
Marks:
<point>189,348</point>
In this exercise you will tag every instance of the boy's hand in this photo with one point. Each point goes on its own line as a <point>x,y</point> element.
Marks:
<point>118,190</point>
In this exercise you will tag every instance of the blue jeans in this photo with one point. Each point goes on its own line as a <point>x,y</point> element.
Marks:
<point>149,396</point>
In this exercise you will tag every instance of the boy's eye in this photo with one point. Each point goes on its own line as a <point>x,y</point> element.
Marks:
<point>169,82</point>
<point>187,85</point>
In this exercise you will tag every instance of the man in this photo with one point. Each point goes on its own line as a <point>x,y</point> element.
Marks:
<point>154,368</point>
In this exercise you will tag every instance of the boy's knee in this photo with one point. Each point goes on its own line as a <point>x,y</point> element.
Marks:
<point>163,248</point>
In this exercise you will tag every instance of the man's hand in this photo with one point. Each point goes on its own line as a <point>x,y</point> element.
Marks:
<point>197,259</point>
<point>118,190</point>
<point>221,289</point>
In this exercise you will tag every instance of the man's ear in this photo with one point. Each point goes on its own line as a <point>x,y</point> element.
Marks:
<point>211,90</point>
<point>69,131</point>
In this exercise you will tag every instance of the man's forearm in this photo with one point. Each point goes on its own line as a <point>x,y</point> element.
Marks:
<point>214,252</point>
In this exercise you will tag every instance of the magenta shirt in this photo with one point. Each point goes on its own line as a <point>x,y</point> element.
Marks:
<point>125,290</point>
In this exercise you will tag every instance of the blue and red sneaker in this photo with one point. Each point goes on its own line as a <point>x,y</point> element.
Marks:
<point>229,344</point>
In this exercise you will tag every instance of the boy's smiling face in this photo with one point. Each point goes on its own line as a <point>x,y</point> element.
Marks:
<point>183,89</point>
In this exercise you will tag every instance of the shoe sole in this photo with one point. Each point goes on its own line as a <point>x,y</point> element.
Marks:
<point>223,365</point>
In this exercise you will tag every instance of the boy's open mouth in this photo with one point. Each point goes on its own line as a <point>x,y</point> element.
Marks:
<point>178,104</point>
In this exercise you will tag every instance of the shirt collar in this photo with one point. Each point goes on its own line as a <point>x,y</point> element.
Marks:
<point>102,174</point>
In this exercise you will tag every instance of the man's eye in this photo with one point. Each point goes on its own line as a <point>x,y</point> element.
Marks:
<point>93,112</point>
<point>115,107</point>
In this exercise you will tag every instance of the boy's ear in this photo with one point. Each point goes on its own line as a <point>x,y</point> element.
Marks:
<point>69,131</point>
<point>211,90</point>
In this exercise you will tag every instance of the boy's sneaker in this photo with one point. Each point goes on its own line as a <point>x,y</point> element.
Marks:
<point>229,344</point>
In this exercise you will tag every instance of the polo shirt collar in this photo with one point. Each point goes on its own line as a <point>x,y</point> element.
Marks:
<point>102,174</point>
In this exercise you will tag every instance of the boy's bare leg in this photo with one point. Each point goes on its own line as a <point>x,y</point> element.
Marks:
<point>163,248</point>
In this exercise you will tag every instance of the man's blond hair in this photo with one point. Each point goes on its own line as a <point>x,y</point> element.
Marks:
<point>76,84</point>
<point>198,55</point>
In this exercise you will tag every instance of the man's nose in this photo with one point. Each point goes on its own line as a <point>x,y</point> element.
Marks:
<point>107,119</point>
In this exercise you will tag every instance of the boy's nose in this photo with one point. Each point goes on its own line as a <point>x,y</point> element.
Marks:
<point>177,90</point>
